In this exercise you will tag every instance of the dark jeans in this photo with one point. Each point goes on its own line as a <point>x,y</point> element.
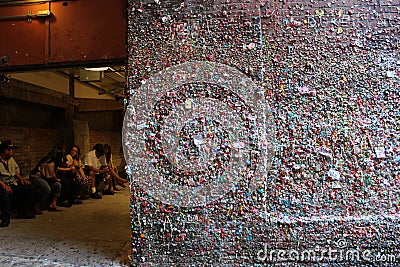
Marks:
<point>99,178</point>
<point>23,197</point>
<point>45,188</point>
<point>70,187</point>
<point>5,204</point>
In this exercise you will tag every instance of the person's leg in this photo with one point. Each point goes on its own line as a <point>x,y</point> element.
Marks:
<point>24,196</point>
<point>93,185</point>
<point>114,179</point>
<point>85,183</point>
<point>108,185</point>
<point>5,207</point>
<point>114,172</point>
<point>65,191</point>
<point>55,194</point>
<point>114,183</point>
<point>43,189</point>
<point>118,179</point>
<point>92,176</point>
<point>75,189</point>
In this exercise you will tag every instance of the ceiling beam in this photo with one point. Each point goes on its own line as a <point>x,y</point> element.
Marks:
<point>98,105</point>
<point>62,65</point>
<point>32,93</point>
<point>94,85</point>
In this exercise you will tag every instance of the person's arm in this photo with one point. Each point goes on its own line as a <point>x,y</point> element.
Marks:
<point>112,166</point>
<point>17,174</point>
<point>70,160</point>
<point>103,161</point>
<point>82,172</point>
<point>22,180</point>
<point>70,164</point>
<point>90,161</point>
<point>111,162</point>
<point>104,166</point>
<point>6,187</point>
<point>91,168</point>
<point>65,166</point>
<point>66,169</point>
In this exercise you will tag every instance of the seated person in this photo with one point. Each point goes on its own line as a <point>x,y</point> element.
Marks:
<point>113,169</point>
<point>13,187</point>
<point>44,178</point>
<point>95,170</point>
<point>73,159</point>
<point>70,187</point>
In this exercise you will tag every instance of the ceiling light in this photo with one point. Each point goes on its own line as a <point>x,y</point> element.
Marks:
<point>97,69</point>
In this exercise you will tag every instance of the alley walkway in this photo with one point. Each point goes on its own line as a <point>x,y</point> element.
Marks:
<point>96,233</point>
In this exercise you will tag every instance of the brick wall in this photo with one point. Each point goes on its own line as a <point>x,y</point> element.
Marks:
<point>32,143</point>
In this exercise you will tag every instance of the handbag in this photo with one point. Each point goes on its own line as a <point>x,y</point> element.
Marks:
<point>48,170</point>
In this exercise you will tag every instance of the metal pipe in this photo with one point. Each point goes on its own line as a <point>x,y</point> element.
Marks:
<point>62,65</point>
<point>28,2</point>
<point>116,72</point>
<point>29,16</point>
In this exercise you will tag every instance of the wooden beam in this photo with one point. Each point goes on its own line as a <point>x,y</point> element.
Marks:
<point>99,105</point>
<point>32,93</point>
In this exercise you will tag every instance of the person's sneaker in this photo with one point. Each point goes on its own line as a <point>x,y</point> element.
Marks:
<point>84,196</point>
<point>96,196</point>
<point>108,192</point>
<point>37,209</point>
<point>65,204</point>
<point>76,201</point>
<point>5,223</point>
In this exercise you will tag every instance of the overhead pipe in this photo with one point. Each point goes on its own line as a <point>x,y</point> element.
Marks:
<point>29,2</point>
<point>29,16</point>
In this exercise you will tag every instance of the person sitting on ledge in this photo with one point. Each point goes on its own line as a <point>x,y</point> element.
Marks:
<point>113,169</point>
<point>70,187</point>
<point>74,159</point>
<point>13,188</point>
<point>94,168</point>
<point>43,176</point>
